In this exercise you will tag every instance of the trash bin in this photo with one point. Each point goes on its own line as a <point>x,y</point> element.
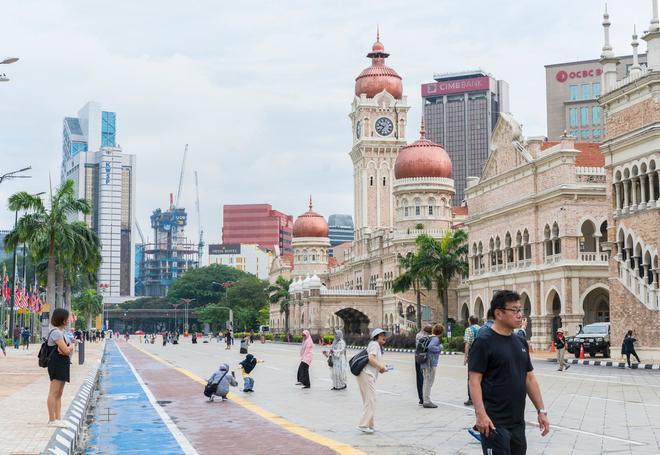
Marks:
<point>81,353</point>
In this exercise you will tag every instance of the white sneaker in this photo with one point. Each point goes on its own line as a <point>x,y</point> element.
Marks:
<point>57,424</point>
<point>366,430</point>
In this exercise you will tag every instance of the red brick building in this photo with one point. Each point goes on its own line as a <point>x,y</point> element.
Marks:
<point>257,223</point>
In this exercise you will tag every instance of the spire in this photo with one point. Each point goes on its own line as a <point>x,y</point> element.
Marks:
<point>310,202</point>
<point>655,22</point>
<point>422,130</point>
<point>607,47</point>
<point>635,68</point>
<point>378,32</point>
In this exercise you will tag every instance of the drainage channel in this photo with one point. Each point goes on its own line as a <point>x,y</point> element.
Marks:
<point>123,419</point>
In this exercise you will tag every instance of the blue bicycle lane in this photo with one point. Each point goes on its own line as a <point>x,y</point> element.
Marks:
<point>126,418</point>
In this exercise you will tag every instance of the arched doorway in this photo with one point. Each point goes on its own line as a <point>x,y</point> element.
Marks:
<point>411,313</point>
<point>554,310</point>
<point>527,311</point>
<point>465,314</point>
<point>596,306</point>
<point>355,322</point>
<point>479,309</point>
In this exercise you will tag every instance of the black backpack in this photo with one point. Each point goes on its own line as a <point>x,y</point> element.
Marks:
<point>45,351</point>
<point>422,349</point>
<point>358,362</point>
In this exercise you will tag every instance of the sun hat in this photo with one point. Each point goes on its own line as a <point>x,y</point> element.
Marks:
<point>377,332</point>
<point>560,330</point>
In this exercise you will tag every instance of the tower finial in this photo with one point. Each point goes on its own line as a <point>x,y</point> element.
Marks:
<point>607,47</point>
<point>377,32</point>
<point>422,129</point>
<point>310,202</point>
<point>655,22</point>
<point>635,69</point>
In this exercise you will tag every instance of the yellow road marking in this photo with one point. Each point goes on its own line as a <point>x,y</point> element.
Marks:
<point>339,447</point>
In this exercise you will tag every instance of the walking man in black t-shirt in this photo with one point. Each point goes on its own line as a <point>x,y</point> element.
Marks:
<point>501,376</point>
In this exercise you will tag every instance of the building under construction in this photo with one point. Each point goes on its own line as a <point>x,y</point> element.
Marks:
<point>170,255</point>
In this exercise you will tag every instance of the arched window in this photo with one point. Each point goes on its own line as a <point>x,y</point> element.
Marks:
<point>418,207</point>
<point>384,181</point>
<point>507,248</point>
<point>555,238</point>
<point>528,247</point>
<point>371,181</point>
<point>431,206</point>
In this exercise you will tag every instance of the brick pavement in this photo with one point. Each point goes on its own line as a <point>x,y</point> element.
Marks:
<point>23,392</point>
<point>216,427</point>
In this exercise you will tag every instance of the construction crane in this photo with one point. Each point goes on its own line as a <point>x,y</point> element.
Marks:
<point>183,167</point>
<point>175,224</point>
<point>200,245</point>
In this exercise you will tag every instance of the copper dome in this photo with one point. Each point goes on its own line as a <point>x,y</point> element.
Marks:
<point>422,158</point>
<point>310,224</point>
<point>378,77</point>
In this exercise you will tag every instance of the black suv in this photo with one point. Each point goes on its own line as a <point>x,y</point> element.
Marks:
<point>595,338</point>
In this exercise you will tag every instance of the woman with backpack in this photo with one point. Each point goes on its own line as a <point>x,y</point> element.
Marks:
<point>59,365</point>
<point>367,379</point>
<point>430,364</point>
<point>421,339</point>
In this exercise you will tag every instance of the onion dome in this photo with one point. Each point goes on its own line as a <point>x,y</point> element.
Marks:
<point>310,224</point>
<point>315,282</point>
<point>306,282</point>
<point>422,158</point>
<point>378,77</point>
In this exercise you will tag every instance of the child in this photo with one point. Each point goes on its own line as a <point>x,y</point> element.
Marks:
<point>245,341</point>
<point>223,378</point>
<point>247,365</point>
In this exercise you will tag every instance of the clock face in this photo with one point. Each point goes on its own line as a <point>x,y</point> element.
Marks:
<point>358,129</point>
<point>384,126</point>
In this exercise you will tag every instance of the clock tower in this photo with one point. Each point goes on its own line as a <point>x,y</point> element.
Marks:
<point>378,118</point>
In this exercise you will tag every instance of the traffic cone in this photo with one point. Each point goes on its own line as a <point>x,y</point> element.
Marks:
<point>552,347</point>
<point>581,351</point>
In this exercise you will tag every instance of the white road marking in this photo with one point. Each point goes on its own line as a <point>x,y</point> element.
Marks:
<point>615,401</point>
<point>559,376</point>
<point>377,390</point>
<point>271,368</point>
<point>178,435</point>
<point>591,375</point>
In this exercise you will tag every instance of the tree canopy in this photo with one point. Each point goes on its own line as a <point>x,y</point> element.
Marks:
<point>199,284</point>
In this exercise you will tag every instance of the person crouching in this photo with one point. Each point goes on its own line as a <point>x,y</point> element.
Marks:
<point>219,383</point>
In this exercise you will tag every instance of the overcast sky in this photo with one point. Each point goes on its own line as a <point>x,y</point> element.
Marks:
<point>261,89</point>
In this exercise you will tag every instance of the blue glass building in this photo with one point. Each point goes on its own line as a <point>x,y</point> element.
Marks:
<point>341,229</point>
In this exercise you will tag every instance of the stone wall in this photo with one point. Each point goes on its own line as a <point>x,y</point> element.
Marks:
<point>632,118</point>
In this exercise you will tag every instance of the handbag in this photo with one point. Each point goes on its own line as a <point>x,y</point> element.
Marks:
<point>330,361</point>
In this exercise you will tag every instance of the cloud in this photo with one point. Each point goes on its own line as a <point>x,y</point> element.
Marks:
<point>259,90</point>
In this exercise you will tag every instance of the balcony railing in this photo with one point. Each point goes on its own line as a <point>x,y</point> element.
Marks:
<point>353,292</point>
<point>648,294</point>
<point>594,256</point>
<point>553,259</point>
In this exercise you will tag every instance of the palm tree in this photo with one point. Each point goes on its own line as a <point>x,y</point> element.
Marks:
<point>46,229</point>
<point>414,277</point>
<point>81,257</point>
<point>279,293</point>
<point>444,259</point>
<point>88,305</point>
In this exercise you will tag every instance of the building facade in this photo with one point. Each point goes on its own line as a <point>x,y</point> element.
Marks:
<point>537,224</point>
<point>257,223</point>
<point>400,191</point>
<point>340,230</point>
<point>105,176</point>
<point>572,90</point>
<point>631,107</point>
<point>460,110</point>
<point>247,257</point>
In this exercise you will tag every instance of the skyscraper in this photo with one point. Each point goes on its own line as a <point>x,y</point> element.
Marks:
<point>460,111</point>
<point>257,223</point>
<point>105,177</point>
<point>341,230</point>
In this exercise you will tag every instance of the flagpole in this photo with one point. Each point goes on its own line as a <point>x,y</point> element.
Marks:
<point>13,287</point>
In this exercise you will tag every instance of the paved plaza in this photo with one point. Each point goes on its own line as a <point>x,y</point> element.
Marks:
<point>592,409</point>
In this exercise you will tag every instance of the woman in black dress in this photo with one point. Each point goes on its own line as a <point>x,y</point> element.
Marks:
<point>59,365</point>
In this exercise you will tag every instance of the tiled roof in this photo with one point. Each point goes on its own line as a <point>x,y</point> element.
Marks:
<point>332,261</point>
<point>288,258</point>
<point>460,210</point>
<point>590,155</point>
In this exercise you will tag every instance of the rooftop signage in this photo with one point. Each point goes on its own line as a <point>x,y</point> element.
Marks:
<point>472,84</point>
<point>225,248</point>
<point>563,76</point>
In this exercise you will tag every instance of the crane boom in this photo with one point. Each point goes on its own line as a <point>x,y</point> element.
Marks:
<point>183,167</point>
<point>137,225</point>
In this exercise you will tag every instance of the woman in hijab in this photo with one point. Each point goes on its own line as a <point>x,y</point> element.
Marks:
<point>306,350</point>
<point>338,355</point>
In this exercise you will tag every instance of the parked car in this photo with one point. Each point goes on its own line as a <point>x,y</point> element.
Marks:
<point>595,338</point>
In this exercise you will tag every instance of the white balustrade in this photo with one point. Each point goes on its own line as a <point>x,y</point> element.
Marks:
<point>349,292</point>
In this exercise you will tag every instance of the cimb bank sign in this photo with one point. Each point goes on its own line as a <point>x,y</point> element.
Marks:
<point>472,84</point>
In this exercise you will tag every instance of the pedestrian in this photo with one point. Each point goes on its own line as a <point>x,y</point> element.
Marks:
<point>490,320</point>
<point>25,335</point>
<point>59,365</point>
<point>468,338</point>
<point>3,344</point>
<point>194,338</point>
<point>224,380</point>
<point>422,337</point>
<point>17,336</point>
<point>501,375</point>
<point>629,347</point>
<point>428,368</point>
<point>522,331</point>
<point>367,380</point>
<point>251,336</point>
<point>560,346</point>
<point>165,335</point>
<point>247,366</point>
<point>228,339</point>
<point>306,353</point>
<point>337,361</point>
<point>245,342</point>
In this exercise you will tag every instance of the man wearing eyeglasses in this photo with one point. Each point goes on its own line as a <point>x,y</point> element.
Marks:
<point>501,376</point>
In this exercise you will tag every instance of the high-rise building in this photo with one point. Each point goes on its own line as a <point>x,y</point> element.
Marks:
<point>250,258</point>
<point>460,111</point>
<point>257,223</point>
<point>341,229</point>
<point>571,92</point>
<point>105,176</point>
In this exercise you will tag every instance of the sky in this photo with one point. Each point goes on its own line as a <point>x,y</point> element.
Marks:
<point>261,90</point>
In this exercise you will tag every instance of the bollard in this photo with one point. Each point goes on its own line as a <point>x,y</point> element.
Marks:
<point>81,353</point>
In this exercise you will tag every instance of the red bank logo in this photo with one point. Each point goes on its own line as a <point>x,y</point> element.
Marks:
<point>563,76</point>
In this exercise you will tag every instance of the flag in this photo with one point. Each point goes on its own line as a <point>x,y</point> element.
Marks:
<point>6,292</point>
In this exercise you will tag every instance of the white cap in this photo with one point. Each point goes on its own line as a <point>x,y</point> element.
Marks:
<point>377,332</point>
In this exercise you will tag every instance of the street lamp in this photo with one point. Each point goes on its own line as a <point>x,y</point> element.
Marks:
<point>7,61</point>
<point>186,302</point>
<point>12,174</point>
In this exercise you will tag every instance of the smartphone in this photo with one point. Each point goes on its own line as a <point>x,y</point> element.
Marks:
<point>233,374</point>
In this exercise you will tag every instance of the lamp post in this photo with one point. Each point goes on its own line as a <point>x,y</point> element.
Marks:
<point>103,287</point>
<point>7,61</point>
<point>185,302</point>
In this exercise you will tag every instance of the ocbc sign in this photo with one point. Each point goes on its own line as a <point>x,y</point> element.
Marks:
<point>563,76</point>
